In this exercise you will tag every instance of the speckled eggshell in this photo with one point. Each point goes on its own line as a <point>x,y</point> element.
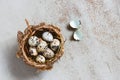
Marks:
<point>47,36</point>
<point>33,41</point>
<point>42,46</point>
<point>55,44</point>
<point>48,53</point>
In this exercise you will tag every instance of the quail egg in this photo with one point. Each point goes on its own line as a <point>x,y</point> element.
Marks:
<point>33,51</point>
<point>40,59</point>
<point>42,46</point>
<point>33,41</point>
<point>55,44</point>
<point>48,53</point>
<point>47,36</point>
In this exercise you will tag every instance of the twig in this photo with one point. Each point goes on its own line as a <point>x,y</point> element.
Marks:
<point>29,27</point>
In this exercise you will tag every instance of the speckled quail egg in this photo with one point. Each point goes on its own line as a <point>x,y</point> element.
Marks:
<point>42,46</point>
<point>33,41</point>
<point>48,53</point>
<point>47,36</point>
<point>55,44</point>
<point>33,51</point>
<point>40,59</point>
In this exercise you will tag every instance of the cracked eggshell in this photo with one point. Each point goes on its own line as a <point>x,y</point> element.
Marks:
<point>33,51</point>
<point>42,46</point>
<point>33,41</point>
<point>40,59</point>
<point>75,24</point>
<point>47,36</point>
<point>77,35</point>
<point>48,53</point>
<point>55,44</point>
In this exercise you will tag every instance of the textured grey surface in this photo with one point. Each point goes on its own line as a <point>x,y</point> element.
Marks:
<point>96,57</point>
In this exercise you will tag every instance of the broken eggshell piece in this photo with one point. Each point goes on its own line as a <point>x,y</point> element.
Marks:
<point>55,44</point>
<point>48,53</point>
<point>47,36</point>
<point>78,35</point>
<point>75,24</point>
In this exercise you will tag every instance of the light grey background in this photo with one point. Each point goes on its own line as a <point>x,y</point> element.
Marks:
<point>96,57</point>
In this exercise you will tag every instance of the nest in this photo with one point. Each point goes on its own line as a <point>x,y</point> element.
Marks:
<point>37,30</point>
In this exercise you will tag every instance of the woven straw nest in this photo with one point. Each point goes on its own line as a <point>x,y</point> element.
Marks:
<point>36,30</point>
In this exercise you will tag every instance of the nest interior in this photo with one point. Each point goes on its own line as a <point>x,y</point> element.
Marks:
<point>37,30</point>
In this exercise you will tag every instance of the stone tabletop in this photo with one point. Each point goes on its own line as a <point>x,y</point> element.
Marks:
<point>95,57</point>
